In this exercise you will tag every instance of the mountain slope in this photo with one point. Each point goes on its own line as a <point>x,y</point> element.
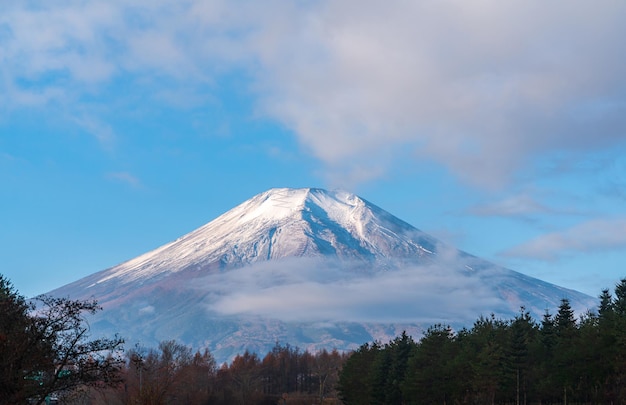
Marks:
<point>309,267</point>
<point>283,223</point>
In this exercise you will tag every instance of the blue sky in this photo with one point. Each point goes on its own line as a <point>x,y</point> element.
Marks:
<point>498,127</point>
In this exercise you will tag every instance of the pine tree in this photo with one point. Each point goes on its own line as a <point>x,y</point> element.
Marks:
<point>566,349</point>
<point>620,298</point>
<point>521,335</point>
<point>430,370</point>
<point>400,348</point>
<point>355,380</point>
<point>488,337</point>
<point>606,306</point>
<point>380,376</point>
<point>620,341</point>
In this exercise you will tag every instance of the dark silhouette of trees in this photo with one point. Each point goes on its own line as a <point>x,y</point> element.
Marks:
<point>45,348</point>
<point>355,380</point>
<point>23,356</point>
<point>389,370</point>
<point>431,368</point>
<point>561,360</point>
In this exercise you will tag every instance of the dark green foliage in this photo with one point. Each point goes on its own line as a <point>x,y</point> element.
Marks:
<point>606,303</point>
<point>431,368</point>
<point>565,352</point>
<point>620,298</point>
<point>559,360</point>
<point>523,331</point>
<point>565,322</point>
<point>390,368</point>
<point>355,384</point>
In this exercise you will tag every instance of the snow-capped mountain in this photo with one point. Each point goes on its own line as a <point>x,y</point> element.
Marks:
<point>283,223</point>
<point>307,267</point>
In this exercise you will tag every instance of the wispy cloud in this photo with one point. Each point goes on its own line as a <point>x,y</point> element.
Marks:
<point>481,89</point>
<point>587,237</point>
<point>124,177</point>
<point>102,132</point>
<point>520,205</point>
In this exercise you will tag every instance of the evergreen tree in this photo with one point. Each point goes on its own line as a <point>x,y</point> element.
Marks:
<point>355,380</point>
<point>380,377</point>
<point>606,303</point>
<point>620,298</point>
<point>430,370</point>
<point>606,346</point>
<point>489,343</point>
<point>565,350</point>
<point>620,341</point>
<point>522,332</point>
<point>401,349</point>
<point>590,365</point>
<point>565,322</point>
<point>517,361</point>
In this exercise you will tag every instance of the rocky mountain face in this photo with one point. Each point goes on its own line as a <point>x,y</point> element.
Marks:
<point>308,267</point>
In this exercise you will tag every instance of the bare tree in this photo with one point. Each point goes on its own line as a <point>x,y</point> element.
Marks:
<point>46,348</point>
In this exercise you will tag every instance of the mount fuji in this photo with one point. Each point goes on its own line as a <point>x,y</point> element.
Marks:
<point>309,267</point>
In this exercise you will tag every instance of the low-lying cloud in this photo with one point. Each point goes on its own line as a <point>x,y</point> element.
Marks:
<point>314,290</point>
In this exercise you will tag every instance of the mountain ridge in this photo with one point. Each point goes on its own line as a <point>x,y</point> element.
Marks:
<point>309,267</point>
<point>224,250</point>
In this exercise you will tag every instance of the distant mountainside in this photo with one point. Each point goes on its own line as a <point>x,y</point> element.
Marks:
<point>308,267</point>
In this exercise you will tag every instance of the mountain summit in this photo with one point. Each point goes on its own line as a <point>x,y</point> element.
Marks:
<point>308,267</point>
<point>284,223</point>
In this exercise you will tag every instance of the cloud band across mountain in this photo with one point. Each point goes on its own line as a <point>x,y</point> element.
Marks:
<point>318,290</point>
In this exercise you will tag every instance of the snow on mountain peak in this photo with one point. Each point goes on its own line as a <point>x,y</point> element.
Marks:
<point>281,223</point>
<point>319,222</point>
<point>278,203</point>
<point>349,272</point>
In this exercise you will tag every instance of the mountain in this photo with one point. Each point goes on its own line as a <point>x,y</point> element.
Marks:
<point>308,267</point>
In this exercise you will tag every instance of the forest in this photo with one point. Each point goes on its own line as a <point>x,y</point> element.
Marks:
<point>172,374</point>
<point>560,359</point>
<point>47,356</point>
<point>557,360</point>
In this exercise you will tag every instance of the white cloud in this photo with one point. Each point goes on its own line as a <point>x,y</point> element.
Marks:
<point>481,88</point>
<point>520,205</point>
<point>102,132</point>
<point>591,236</point>
<point>147,310</point>
<point>323,291</point>
<point>124,177</point>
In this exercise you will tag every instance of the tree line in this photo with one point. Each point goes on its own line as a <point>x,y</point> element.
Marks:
<point>173,374</point>
<point>557,360</point>
<point>46,353</point>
